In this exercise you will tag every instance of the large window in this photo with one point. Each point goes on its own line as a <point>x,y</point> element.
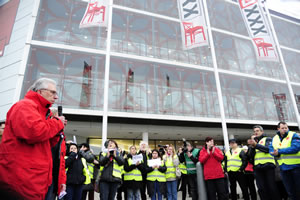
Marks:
<point>246,98</point>
<point>137,86</point>
<point>292,60</point>
<point>79,76</point>
<point>238,55</point>
<point>143,35</point>
<point>58,21</point>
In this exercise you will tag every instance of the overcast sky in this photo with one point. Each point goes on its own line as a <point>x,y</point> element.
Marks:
<point>290,7</point>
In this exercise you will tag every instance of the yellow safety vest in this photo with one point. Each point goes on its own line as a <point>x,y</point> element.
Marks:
<point>117,170</point>
<point>133,175</point>
<point>182,168</point>
<point>171,169</point>
<point>262,157</point>
<point>156,175</point>
<point>234,162</point>
<point>288,159</point>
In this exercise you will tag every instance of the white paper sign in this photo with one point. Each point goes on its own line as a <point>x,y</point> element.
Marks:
<point>137,158</point>
<point>154,162</point>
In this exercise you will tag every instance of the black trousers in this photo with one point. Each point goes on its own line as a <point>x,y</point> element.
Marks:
<point>241,179</point>
<point>251,185</point>
<point>216,186</point>
<point>192,181</point>
<point>183,180</point>
<point>265,181</point>
<point>143,189</point>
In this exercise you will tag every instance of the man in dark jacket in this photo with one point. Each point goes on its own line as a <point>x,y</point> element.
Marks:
<point>264,164</point>
<point>25,149</point>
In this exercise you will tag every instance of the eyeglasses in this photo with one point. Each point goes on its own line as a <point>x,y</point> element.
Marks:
<point>53,92</point>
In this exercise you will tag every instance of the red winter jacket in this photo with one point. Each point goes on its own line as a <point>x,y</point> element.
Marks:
<point>212,163</point>
<point>25,152</point>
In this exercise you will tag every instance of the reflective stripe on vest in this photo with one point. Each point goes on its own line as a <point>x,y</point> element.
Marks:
<point>261,157</point>
<point>133,175</point>
<point>182,168</point>
<point>171,169</point>
<point>156,175</point>
<point>287,159</point>
<point>91,169</point>
<point>234,162</point>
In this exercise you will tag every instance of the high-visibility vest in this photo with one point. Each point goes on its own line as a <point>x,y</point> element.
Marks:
<point>133,175</point>
<point>190,165</point>
<point>171,169</point>
<point>156,175</point>
<point>117,170</point>
<point>91,169</point>
<point>234,162</point>
<point>287,159</point>
<point>182,168</point>
<point>262,157</point>
<point>85,171</point>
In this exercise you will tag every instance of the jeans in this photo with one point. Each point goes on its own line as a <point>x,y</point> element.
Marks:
<point>291,181</point>
<point>74,192</point>
<point>133,194</point>
<point>265,181</point>
<point>172,190</point>
<point>216,186</point>
<point>156,190</point>
<point>240,178</point>
<point>108,190</point>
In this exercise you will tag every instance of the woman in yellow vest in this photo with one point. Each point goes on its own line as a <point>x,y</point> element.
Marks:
<point>133,175</point>
<point>171,161</point>
<point>111,169</point>
<point>77,173</point>
<point>156,178</point>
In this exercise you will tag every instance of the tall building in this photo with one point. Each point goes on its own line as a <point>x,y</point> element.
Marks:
<point>156,89</point>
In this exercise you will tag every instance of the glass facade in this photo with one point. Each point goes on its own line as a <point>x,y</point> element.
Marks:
<point>150,73</point>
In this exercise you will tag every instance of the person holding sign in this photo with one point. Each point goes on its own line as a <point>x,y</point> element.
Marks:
<point>171,160</point>
<point>156,177</point>
<point>133,174</point>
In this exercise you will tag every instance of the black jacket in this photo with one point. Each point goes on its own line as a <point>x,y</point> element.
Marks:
<point>107,163</point>
<point>75,169</point>
<point>264,148</point>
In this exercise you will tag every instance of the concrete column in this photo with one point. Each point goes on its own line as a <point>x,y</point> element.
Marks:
<point>145,137</point>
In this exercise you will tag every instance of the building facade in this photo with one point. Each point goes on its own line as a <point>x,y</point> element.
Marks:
<point>151,78</point>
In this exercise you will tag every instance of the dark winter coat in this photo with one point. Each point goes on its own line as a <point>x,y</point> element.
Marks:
<point>75,167</point>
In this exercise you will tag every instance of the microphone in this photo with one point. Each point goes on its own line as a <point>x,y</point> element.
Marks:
<point>59,109</point>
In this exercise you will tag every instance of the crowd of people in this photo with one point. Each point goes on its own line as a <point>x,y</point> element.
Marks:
<point>36,162</point>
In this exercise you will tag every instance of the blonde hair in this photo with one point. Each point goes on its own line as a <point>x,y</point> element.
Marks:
<point>173,149</point>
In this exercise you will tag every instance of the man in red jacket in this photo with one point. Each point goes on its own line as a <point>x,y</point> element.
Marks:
<point>211,158</point>
<point>25,151</point>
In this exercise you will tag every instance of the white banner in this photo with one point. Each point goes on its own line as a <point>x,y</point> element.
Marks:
<point>96,14</point>
<point>259,30</point>
<point>193,25</point>
<point>137,158</point>
<point>154,162</point>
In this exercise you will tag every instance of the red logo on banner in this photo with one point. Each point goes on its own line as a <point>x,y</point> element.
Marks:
<point>94,9</point>
<point>95,14</point>
<point>246,3</point>
<point>191,31</point>
<point>263,46</point>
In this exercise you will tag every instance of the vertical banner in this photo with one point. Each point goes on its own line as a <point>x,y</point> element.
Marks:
<point>259,30</point>
<point>193,25</point>
<point>96,14</point>
<point>280,103</point>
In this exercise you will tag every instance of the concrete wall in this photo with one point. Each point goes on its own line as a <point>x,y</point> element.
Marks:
<point>11,72</point>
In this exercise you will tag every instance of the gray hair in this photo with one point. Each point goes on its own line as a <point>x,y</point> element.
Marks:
<point>41,83</point>
<point>258,126</point>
